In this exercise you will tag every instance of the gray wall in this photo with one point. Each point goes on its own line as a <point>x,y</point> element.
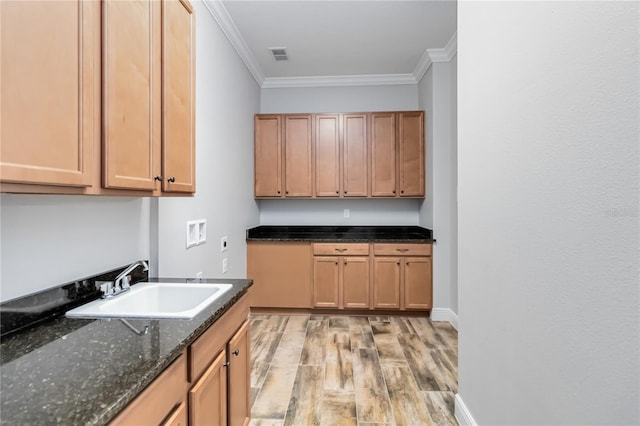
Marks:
<point>227,98</point>
<point>339,99</point>
<point>548,160</point>
<point>47,240</point>
<point>439,209</point>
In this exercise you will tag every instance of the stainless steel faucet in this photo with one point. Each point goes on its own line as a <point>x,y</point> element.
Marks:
<point>122,282</point>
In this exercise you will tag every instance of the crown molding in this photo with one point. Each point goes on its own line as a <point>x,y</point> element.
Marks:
<point>447,53</point>
<point>423,65</point>
<point>228,27</point>
<point>339,80</point>
<point>436,55</point>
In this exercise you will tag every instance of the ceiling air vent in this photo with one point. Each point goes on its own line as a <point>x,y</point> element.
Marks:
<point>279,53</point>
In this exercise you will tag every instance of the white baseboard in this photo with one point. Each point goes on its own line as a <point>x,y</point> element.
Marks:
<point>463,416</point>
<point>445,314</point>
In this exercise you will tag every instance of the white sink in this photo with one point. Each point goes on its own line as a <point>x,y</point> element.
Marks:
<point>154,300</point>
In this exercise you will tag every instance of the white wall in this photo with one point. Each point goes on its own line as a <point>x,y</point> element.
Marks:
<point>548,212</point>
<point>339,99</point>
<point>438,211</point>
<point>47,240</point>
<point>227,97</point>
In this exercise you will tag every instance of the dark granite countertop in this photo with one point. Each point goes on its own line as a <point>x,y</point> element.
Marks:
<point>352,234</point>
<point>84,371</point>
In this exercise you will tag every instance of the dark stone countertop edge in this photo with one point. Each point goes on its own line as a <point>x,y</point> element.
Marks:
<point>341,234</point>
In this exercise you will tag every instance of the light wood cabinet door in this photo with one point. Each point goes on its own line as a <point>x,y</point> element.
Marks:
<point>178,97</point>
<point>355,176</point>
<point>131,93</point>
<point>411,153</point>
<point>417,283</point>
<point>386,282</point>
<point>49,122</point>
<point>327,155</point>
<point>298,147</point>
<point>355,282</point>
<point>239,376</point>
<point>281,274</point>
<point>326,282</point>
<point>208,397</point>
<point>178,417</point>
<point>383,154</point>
<point>268,156</point>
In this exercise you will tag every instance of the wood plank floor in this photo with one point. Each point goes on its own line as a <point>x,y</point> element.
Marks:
<point>347,370</point>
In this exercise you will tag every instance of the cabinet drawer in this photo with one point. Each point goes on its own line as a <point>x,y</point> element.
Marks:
<point>333,249</point>
<point>402,249</point>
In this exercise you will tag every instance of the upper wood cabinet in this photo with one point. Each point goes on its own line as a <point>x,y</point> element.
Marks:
<point>298,155</point>
<point>377,154</point>
<point>355,170</point>
<point>48,114</point>
<point>383,154</point>
<point>178,97</point>
<point>327,155</point>
<point>268,156</point>
<point>341,155</point>
<point>411,169</point>
<point>113,112</point>
<point>131,93</point>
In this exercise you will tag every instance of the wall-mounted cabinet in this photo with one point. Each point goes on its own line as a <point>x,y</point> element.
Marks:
<point>379,154</point>
<point>60,132</point>
<point>283,155</point>
<point>49,123</point>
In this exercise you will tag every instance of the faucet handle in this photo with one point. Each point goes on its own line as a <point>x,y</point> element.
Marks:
<point>125,283</point>
<point>107,288</point>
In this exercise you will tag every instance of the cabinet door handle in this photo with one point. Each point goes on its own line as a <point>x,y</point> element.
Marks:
<point>402,250</point>
<point>158,178</point>
<point>226,364</point>
<point>341,250</point>
<point>172,179</point>
<point>337,192</point>
<point>236,352</point>
<point>402,192</point>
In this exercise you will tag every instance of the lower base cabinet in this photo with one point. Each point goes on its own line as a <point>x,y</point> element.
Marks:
<point>208,397</point>
<point>402,277</point>
<point>207,385</point>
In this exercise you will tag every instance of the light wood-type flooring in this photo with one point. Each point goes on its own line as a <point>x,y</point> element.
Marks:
<point>349,370</point>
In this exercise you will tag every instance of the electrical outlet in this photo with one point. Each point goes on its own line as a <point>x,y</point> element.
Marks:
<point>346,213</point>
<point>224,242</point>
<point>225,265</point>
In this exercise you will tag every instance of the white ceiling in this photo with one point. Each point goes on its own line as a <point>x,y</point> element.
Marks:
<point>333,40</point>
